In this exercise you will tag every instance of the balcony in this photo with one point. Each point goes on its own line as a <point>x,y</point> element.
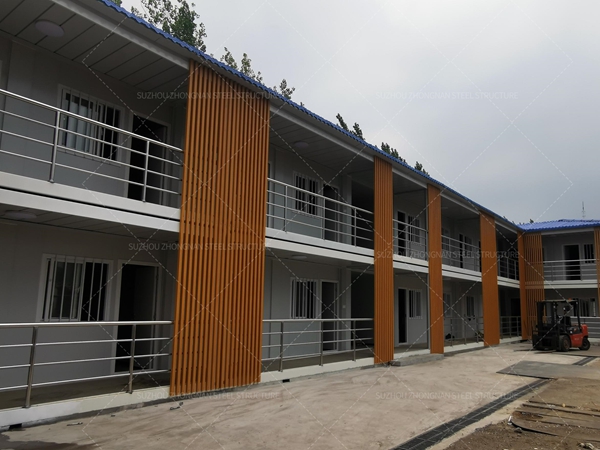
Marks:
<point>47,143</point>
<point>303,212</point>
<point>570,270</point>
<point>410,240</point>
<point>508,267</point>
<point>460,254</point>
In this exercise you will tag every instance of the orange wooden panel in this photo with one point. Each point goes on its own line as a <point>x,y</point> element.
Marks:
<point>596,250</point>
<point>218,311</point>
<point>384,265</point>
<point>489,280</point>
<point>436,285</point>
<point>531,276</point>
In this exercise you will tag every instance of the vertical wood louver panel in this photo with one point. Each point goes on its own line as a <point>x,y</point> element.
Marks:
<point>489,280</point>
<point>384,266</point>
<point>436,285</point>
<point>531,279</point>
<point>218,312</point>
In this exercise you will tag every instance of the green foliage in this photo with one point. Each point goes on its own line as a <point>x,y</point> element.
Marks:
<point>419,166</point>
<point>341,122</point>
<point>392,151</point>
<point>284,89</point>
<point>117,2</point>
<point>246,69</point>
<point>176,17</point>
<point>228,59</point>
<point>357,131</point>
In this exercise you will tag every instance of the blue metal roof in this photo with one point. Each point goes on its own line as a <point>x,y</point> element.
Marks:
<point>272,93</point>
<point>562,224</point>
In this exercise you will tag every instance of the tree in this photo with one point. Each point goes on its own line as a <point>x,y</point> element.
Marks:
<point>357,131</point>
<point>117,2</point>
<point>175,17</point>
<point>392,151</point>
<point>284,89</point>
<point>228,59</point>
<point>341,122</point>
<point>246,69</point>
<point>419,166</point>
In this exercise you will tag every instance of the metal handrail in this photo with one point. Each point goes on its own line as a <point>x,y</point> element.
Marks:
<point>460,254</point>
<point>510,325</point>
<point>570,270</point>
<point>354,339</point>
<point>508,267</point>
<point>463,327</point>
<point>34,344</point>
<point>411,248</point>
<point>98,128</point>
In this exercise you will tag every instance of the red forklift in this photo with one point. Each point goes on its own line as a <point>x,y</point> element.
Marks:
<point>559,326</point>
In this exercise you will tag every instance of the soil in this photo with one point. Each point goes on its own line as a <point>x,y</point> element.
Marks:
<point>503,436</point>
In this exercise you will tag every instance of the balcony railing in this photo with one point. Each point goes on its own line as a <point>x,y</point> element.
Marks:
<point>295,210</point>
<point>319,339</point>
<point>460,254</point>
<point>52,345</point>
<point>508,267</point>
<point>463,330</point>
<point>48,143</point>
<point>510,326</point>
<point>410,240</point>
<point>570,270</point>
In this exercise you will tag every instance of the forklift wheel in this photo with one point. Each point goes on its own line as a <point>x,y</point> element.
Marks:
<point>564,343</point>
<point>585,345</point>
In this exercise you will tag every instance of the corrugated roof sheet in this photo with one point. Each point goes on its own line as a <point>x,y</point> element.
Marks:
<point>561,224</point>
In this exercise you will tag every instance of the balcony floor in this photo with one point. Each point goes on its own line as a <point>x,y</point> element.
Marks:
<point>49,394</point>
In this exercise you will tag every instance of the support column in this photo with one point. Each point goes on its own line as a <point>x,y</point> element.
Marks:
<point>221,261</point>
<point>531,279</point>
<point>436,284</point>
<point>489,280</point>
<point>384,262</point>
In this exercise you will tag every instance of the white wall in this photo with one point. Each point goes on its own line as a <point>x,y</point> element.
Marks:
<point>554,251</point>
<point>39,75</point>
<point>21,299</point>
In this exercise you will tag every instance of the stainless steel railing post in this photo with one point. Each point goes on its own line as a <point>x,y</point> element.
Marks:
<point>322,341</point>
<point>131,359</point>
<point>146,171</point>
<point>31,366</point>
<point>353,329</point>
<point>54,146</point>
<point>281,349</point>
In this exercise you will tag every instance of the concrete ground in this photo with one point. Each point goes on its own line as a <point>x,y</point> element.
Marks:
<point>372,408</point>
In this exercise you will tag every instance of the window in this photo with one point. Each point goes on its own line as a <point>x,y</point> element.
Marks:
<point>304,299</point>
<point>447,305</point>
<point>414,230</point>
<point>588,254</point>
<point>75,289</point>
<point>305,200</point>
<point>470,306</point>
<point>414,304</point>
<point>85,136</point>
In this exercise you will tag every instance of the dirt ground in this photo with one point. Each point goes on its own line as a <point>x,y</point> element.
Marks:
<point>502,436</point>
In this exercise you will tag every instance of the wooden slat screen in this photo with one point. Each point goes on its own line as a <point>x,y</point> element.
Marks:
<point>489,280</point>
<point>218,313</point>
<point>436,284</point>
<point>384,266</point>
<point>531,276</point>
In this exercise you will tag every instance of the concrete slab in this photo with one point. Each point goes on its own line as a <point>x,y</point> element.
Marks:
<point>416,359</point>
<point>546,370</point>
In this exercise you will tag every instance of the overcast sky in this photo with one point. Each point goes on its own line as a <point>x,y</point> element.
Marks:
<point>498,99</point>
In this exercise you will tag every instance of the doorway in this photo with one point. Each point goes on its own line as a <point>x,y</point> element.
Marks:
<point>402,325</point>
<point>331,214</point>
<point>137,302</point>
<point>154,181</point>
<point>572,264</point>
<point>329,311</point>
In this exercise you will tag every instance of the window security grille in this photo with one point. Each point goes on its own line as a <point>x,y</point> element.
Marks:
<point>304,299</point>
<point>588,254</point>
<point>414,225</point>
<point>414,304</point>
<point>305,200</point>
<point>470,306</point>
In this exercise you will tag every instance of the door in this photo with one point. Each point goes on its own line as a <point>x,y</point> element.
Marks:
<point>331,214</point>
<point>402,325</point>
<point>572,263</point>
<point>401,233</point>
<point>136,303</point>
<point>154,181</point>
<point>329,311</point>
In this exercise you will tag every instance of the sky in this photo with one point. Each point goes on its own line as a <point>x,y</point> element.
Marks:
<point>497,99</point>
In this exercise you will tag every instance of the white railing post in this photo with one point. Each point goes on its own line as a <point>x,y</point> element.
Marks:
<point>146,170</point>
<point>281,349</point>
<point>131,360</point>
<point>31,366</point>
<point>54,146</point>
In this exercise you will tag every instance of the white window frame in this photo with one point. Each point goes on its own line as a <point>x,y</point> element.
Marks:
<point>414,229</point>
<point>310,290</point>
<point>415,304</point>
<point>92,148</point>
<point>46,287</point>
<point>311,201</point>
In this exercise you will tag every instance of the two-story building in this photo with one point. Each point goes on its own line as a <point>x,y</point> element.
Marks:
<point>170,226</point>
